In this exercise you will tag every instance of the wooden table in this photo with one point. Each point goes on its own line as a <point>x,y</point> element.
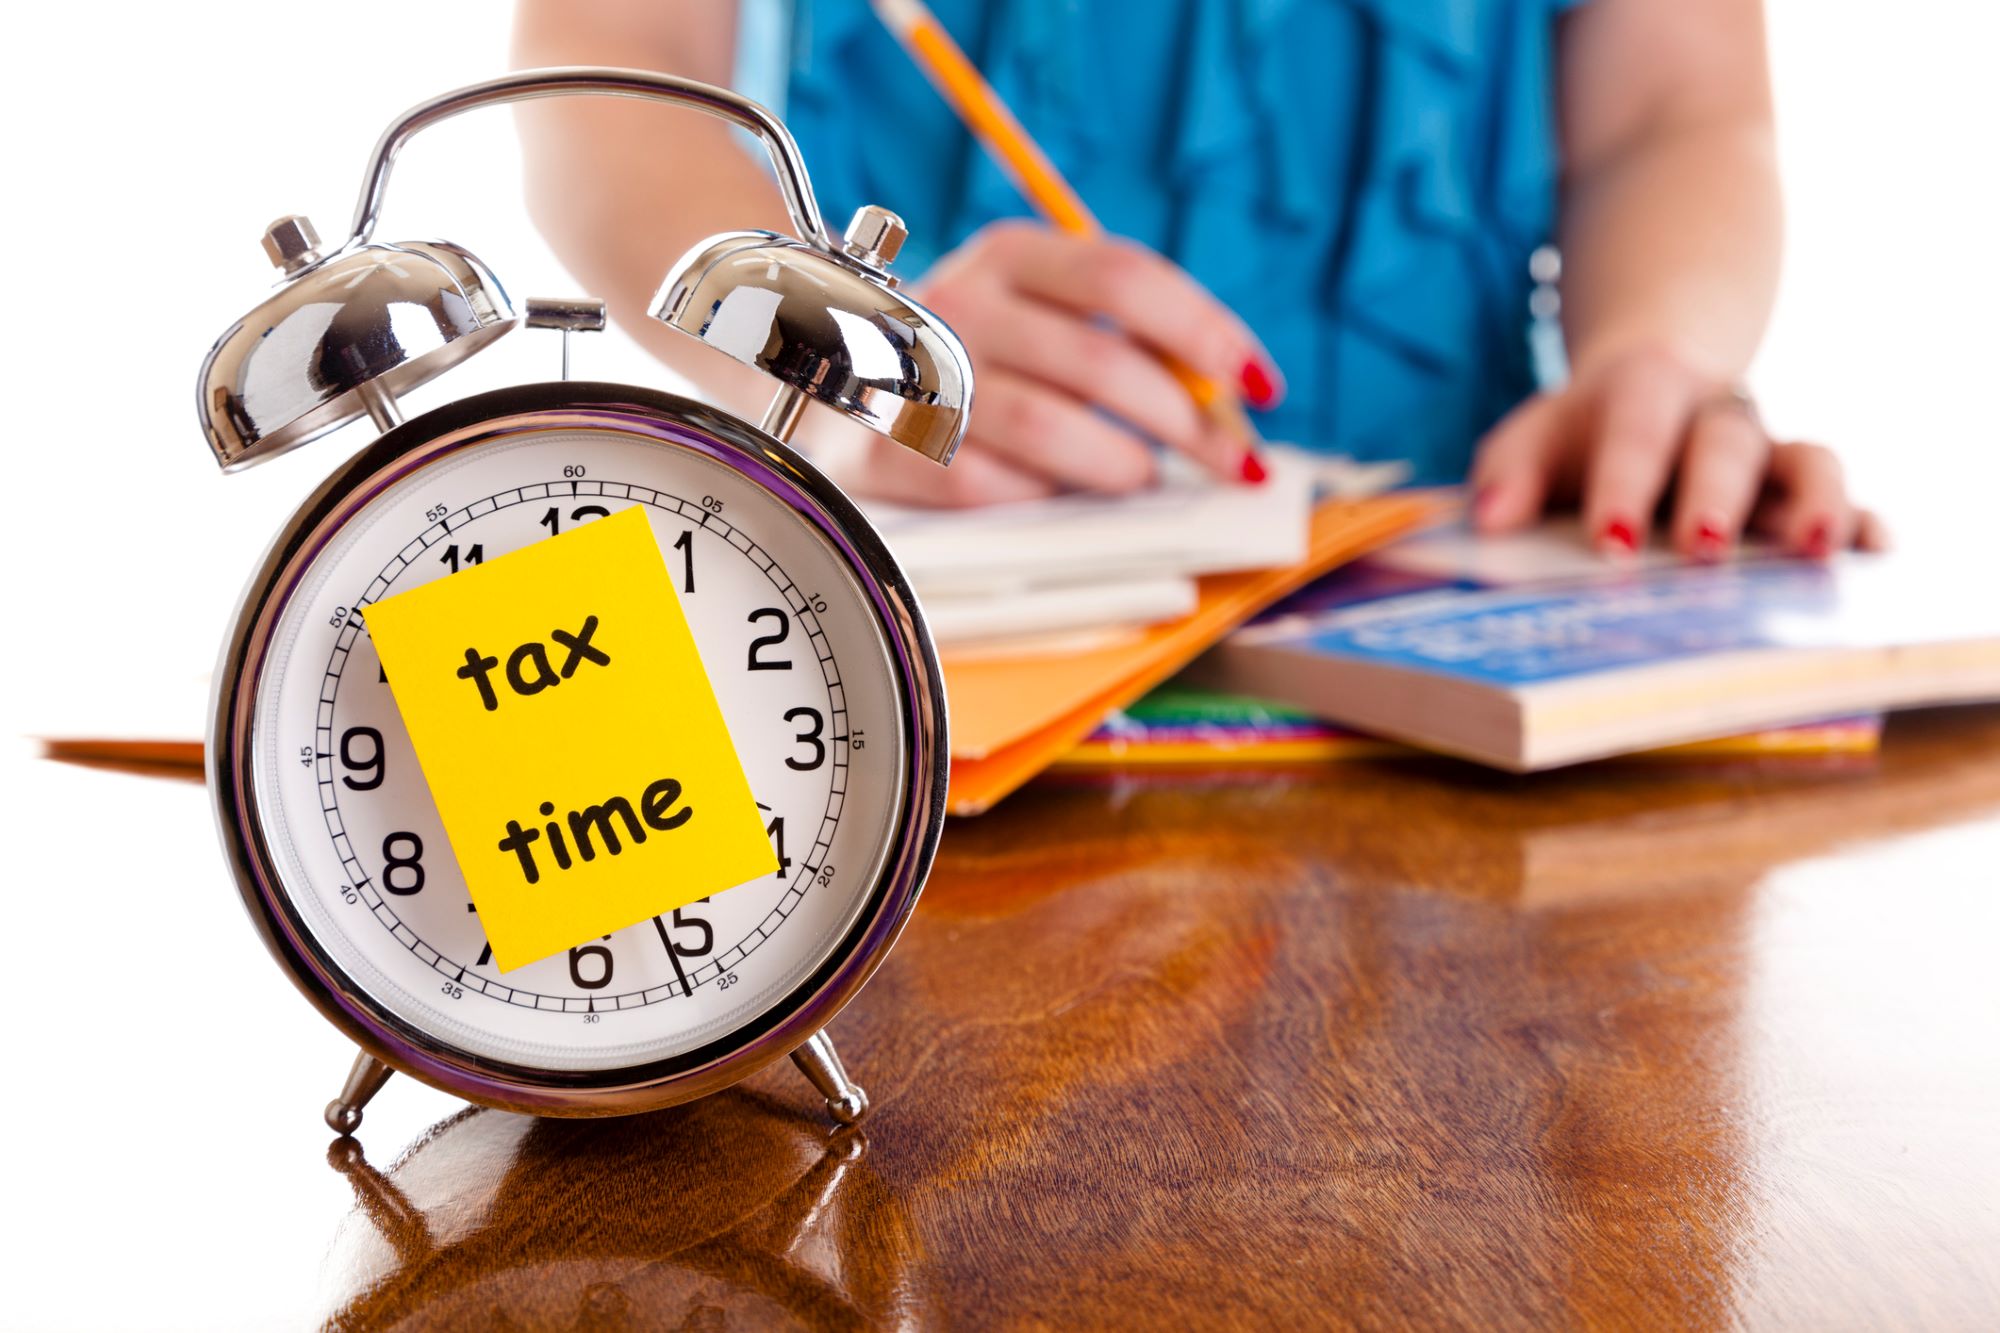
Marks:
<point>1391,1043</point>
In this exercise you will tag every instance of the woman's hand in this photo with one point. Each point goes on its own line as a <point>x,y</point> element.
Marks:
<point>1065,335</point>
<point>1632,430</point>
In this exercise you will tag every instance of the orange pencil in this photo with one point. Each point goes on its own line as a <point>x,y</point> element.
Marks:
<point>973,98</point>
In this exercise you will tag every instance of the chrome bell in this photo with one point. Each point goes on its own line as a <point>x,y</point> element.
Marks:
<point>830,325</point>
<point>348,332</point>
<point>345,334</point>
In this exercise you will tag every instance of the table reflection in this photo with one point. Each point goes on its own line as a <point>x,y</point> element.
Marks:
<point>1361,1034</point>
<point>736,1211</point>
<point>1394,1043</point>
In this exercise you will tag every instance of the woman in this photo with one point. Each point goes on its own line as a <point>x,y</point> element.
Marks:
<point>1348,189</point>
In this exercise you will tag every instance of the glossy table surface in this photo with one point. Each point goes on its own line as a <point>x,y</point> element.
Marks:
<point>1393,1042</point>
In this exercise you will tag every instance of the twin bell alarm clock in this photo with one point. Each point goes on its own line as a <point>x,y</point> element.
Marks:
<point>813,648</point>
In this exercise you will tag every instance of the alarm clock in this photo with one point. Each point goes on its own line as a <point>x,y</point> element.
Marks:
<point>808,631</point>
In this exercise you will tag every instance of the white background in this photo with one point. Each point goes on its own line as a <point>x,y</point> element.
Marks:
<point>146,147</point>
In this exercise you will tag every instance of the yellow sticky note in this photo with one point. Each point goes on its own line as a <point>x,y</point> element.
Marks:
<point>571,740</point>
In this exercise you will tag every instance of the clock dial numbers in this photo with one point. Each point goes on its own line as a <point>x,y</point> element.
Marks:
<point>794,652</point>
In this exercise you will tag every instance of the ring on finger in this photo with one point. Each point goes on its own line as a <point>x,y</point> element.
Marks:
<point>1736,398</point>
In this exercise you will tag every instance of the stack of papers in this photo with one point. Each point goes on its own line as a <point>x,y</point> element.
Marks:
<point>1052,613</point>
<point>1014,715</point>
<point>1103,566</point>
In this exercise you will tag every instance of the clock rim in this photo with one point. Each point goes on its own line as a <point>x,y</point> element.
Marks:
<point>781,1028</point>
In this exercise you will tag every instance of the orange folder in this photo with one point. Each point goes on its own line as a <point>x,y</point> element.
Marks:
<point>1012,717</point>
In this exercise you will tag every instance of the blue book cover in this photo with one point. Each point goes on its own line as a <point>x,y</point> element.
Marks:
<point>1520,636</point>
<point>1527,660</point>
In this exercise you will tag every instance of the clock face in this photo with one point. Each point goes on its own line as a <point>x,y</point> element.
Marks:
<point>799,661</point>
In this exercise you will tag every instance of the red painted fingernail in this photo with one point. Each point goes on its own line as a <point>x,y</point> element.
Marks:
<point>1710,541</point>
<point>1617,534</point>
<point>1483,500</point>
<point>1819,540</point>
<point>1253,470</point>
<point>1259,389</point>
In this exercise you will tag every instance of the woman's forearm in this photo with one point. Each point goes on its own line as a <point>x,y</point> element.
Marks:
<point>1670,210</point>
<point>622,189</point>
<point>1671,231</point>
<point>1674,243</point>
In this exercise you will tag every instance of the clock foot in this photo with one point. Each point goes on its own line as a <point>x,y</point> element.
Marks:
<point>819,1062</point>
<point>343,1113</point>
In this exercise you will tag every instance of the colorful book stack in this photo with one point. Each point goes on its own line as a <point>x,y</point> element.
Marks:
<point>1527,653</point>
<point>1184,726</point>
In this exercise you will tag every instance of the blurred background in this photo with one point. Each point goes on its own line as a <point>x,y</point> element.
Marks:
<point>142,186</point>
<point>147,146</point>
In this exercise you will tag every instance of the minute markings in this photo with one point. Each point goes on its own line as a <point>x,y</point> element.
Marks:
<point>666,942</point>
<point>776,576</point>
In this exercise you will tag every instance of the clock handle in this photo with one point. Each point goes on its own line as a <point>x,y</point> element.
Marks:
<point>605,81</point>
<point>819,1062</point>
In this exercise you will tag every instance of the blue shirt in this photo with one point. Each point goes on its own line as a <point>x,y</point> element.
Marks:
<point>1361,180</point>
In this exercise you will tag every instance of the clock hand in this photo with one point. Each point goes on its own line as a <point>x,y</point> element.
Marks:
<point>673,957</point>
